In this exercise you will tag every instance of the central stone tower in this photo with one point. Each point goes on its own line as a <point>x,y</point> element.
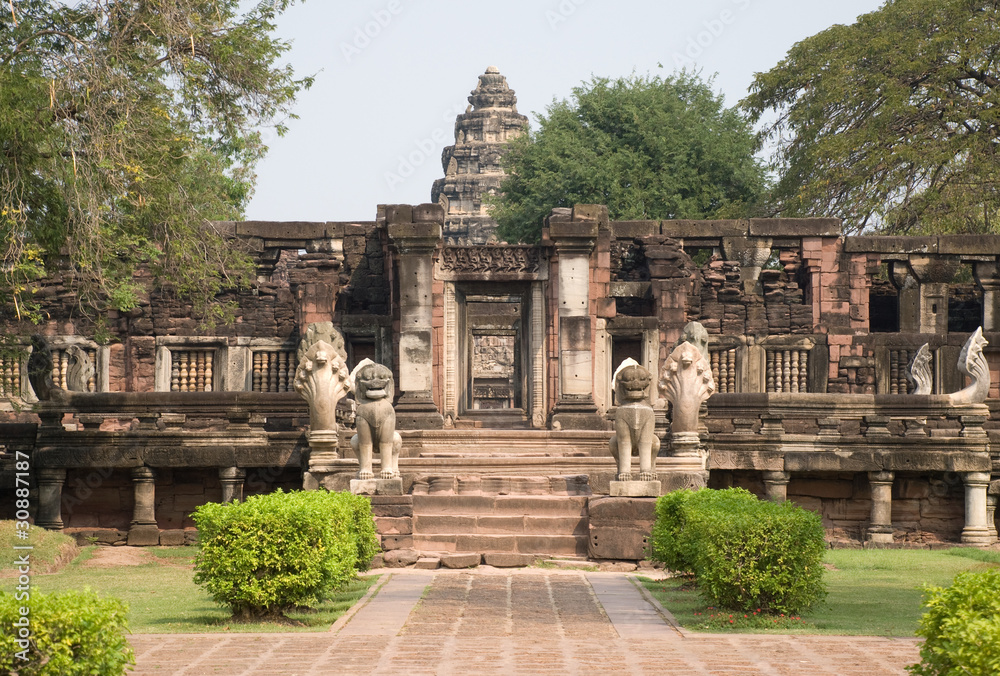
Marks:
<point>472,166</point>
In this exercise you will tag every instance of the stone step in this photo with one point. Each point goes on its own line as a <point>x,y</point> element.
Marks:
<point>500,524</point>
<point>447,484</point>
<point>500,505</point>
<point>548,545</point>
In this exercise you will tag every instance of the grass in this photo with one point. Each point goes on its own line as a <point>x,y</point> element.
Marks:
<point>872,592</point>
<point>163,598</point>
<point>48,547</point>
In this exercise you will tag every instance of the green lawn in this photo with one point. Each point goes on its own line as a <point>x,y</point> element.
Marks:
<point>874,592</point>
<point>162,597</point>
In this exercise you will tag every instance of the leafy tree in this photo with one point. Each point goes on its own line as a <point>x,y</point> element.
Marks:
<point>125,126</point>
<point>647,147</point>
<point>890,123</point>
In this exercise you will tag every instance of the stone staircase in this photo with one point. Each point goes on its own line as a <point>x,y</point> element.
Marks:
<point>530,515</point>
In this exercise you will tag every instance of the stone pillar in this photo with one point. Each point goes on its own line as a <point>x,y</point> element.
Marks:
<point>988,276</point>
<point>416,233</point>
<point>574,241</point>
<point>143,531</point>
<point>880,529</point>
<point>315,280</point>
<point>776,485</point>
<point>923,293</point>
<point>50,483</point>
<point>991,507</point>
<point>977,531</point>
<point>232,479</point>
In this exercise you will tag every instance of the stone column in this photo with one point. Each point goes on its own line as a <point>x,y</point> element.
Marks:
<point>776,485</point>
<point>416,233</point>
<point>143,531</point>
<point>923,292</point>
<point>315,280</point>
<point>991,506</point>
<point>880,529</point>
<point>988,276</point>
<point>574,241</point>
<point>50,483</point>
<point>977,531</point>
<point>232,479</point>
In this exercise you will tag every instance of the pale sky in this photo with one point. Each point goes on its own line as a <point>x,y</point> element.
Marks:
<point>391,75</point>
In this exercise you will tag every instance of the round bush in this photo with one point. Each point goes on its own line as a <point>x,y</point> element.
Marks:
<point>746,554</point>
<point>276,551</point>
<point>74,633</point>
<point>961,627</point>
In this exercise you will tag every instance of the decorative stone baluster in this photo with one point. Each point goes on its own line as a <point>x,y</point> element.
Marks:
<point>794,375</point>
<point>256,383</point>
<point>143,530</point>
<point>184,381</point>
<point>771,371</point>
<point>977,531</point>
<point>282,372</point>
<point>731,370</point>
<point>50,484</point>
<point>209,371</point>
<point>786,371</point>
<point>175,373</point>
<point>880,530</point>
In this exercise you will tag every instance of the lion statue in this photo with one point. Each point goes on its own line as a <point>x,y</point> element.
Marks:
<point>375,420</point>
<point>634,422</point>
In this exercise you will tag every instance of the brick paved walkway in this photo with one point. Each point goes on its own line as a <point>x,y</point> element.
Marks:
<point>491,621</point>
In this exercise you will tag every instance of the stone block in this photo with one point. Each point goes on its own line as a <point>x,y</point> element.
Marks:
<point>394,526</point>
<point>392,511</point>
<point>172,538</point>
<point>635,489</point>
<point>916,489</point>
<point>485,543</point>
<point>444,523</point>
<point>618,542</point>
<point>143,536</point>
<point>508,559</point>
<point>398,558</point>
<point>461,560</point>
<point>822,488</point>
<point>390,542</point>
<point>556,545</point>
<point>625,509</point>
<point>427,563</point>
<point>500,524</point>
<point>529,485</point>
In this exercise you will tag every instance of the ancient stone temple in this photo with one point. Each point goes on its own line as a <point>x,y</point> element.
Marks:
<point>843,373</point>
<point>472,166</point>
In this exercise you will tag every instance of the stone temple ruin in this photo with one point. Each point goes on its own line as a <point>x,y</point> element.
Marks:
<point>837,372</point>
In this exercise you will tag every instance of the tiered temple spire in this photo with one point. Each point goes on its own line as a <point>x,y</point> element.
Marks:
<point>472,165</point>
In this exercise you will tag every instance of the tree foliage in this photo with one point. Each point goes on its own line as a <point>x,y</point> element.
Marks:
<point>125,126</point>
<point>647,147</point>
<point>890,123</point>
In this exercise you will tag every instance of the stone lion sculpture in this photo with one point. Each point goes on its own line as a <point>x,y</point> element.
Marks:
<point>634,422</point>
<point>375,420</point>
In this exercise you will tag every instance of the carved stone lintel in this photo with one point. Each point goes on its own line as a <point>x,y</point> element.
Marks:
<point>504,260</point>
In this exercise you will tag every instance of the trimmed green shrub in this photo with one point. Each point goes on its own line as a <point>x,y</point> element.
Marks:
<point>75,633</point>
<point>746,554</point>
<point>961,627</point>
<point>280,550</point>
<point>671,544</point>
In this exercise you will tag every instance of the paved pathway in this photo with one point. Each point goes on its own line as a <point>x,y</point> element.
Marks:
<point>491,621</point>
